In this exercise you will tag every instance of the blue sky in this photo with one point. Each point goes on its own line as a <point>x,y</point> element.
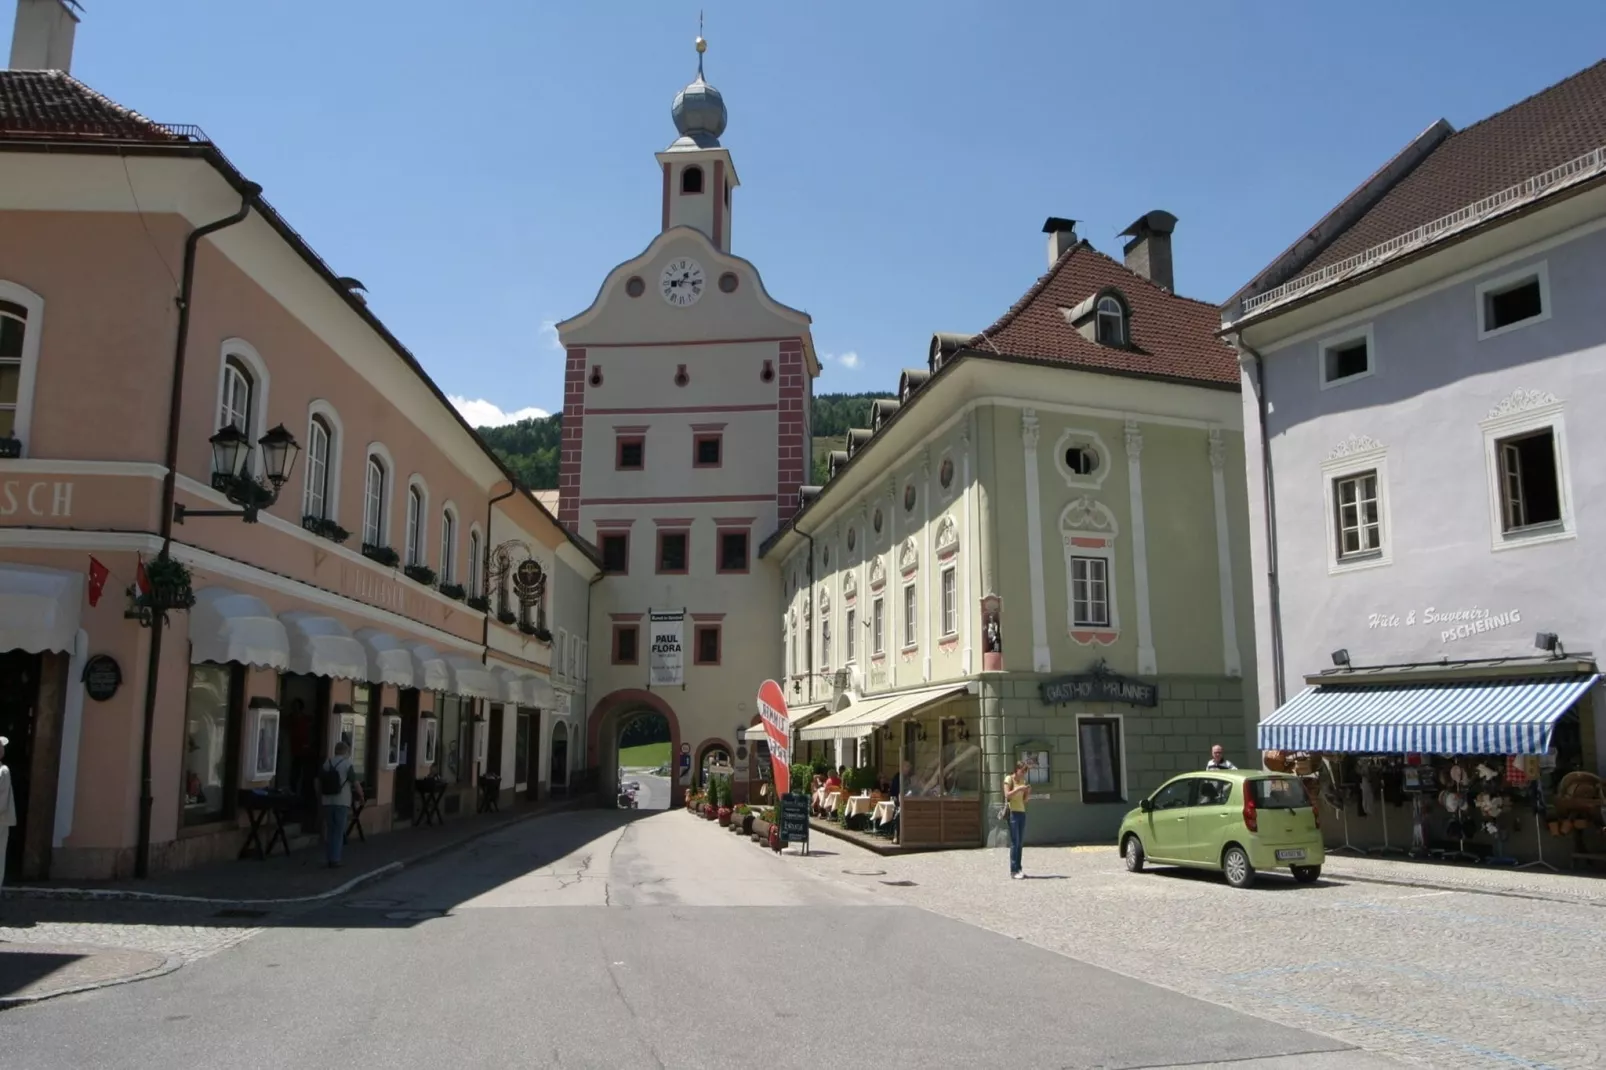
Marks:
<point>482,170</point>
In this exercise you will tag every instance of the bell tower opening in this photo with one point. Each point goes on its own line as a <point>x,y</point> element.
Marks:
<point>698,174</point>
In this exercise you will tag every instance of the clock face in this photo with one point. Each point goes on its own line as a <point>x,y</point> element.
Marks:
<point>682,282</point>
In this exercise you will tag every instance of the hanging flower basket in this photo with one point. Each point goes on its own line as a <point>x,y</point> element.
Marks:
<point>170,585</point>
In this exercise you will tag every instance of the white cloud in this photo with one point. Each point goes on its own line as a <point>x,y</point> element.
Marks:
<point>481,413</point>
<point>549,334</point>
<point>848,360</point>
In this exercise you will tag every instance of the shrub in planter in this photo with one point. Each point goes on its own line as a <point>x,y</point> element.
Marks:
<point>507,616</point>
<point>453,590</point>
<point>420,574</point>
<point>325,528</point>
<point>383,554</point>
<point>724,816</point>
<point>747,821</point>
<point>480,602</point>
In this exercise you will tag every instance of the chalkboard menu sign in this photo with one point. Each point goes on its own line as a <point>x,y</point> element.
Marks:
<point>794,818</point>
<point>102,677</point>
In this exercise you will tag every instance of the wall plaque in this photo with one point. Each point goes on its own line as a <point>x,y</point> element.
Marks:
<point>102,677</point>
<point>1098,686</point>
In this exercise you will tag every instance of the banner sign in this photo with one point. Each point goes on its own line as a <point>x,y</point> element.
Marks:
<point>778,729</point>
<point>1098,687</point>
<point>666,658</point>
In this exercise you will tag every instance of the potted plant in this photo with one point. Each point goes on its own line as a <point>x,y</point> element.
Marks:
<point>420,574</point>
<point>454,591</point>
<point>325,528</point>
<point>507,616</point>
<point>170,585</point>
<point>744,817</point>
<point>382,554</point>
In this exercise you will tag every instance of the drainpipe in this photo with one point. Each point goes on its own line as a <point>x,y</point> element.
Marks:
<point>809,632</point>
<point>251,191</point>
<point>485,572</point>
<point>1269,497</point>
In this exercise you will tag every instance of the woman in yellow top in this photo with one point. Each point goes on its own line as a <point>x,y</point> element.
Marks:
<point>1016,792</point>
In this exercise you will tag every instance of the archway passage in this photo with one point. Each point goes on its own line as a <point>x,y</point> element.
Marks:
<point>635,737</point>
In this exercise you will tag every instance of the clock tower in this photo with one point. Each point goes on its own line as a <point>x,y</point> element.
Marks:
<point>685,446</point>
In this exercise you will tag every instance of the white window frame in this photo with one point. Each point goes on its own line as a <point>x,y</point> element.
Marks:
<point>1121,746</point>
<point>245,353</point>
<point>850,645</point>
<point>1539,270</point>
<point>1337,469</point>
<point>377,452</point>
<point>911,615</point>
<point>322,410</point>
<point>415,549</point>
<point>1099,314</point>
<point>1089,529</point>
<point>1497,429</point>
<point>449,526</point>
<point>1081,436</point>
<point>1090,563</point>
<point>1340,341</point>
<point>878,625</point>
<point>825,643</point>
<point>948,593</point>
<point>32,328</point>
<point>476,562</point>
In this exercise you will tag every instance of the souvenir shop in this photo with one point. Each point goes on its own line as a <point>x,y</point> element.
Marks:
<point>1499,770</point>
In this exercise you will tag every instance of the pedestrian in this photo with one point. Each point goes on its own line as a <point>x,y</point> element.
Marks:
<point>1218,759</point>
<point>338,785</point>
<point>8,808</point>
<point>1016,792</point>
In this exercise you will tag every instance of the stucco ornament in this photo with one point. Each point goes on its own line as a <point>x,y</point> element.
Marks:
<point>825,600</point>
<point>1353,445</point>
<point>1085,514</point>
<point>878,572</point>
<point>850,587</point>
<point>947,535</point>
<point>1522,401</point>
<point>909,555</point>
<point>1218,450</point>
<point>1029,428</point>
<point>1134,440</point>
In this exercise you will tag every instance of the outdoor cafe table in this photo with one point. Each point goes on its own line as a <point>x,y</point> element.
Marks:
<point>431,791</point>
<point>859,804</point>
<point>259,804</point>
<point>884,812</point>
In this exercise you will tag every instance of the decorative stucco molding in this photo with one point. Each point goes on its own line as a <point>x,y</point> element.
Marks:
<point>878,572</point>
<point>1522,401</point>
<point>1085,514</point>
<point>1353,445</point>
<point>850,587</point>
<point>909,555</point>
<point>1218,451</point>
<point>947,536</point>
<point>1029,428</point>
<point>1134,440</point>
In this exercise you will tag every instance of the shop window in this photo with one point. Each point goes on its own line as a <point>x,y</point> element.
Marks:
<point>708,638</point>
<point>211,745</point>
<point>453,711</point>
<point>733,551</point>
<point>625,637</point>
<point>672,552</point>
<point>616,553</point>
<point>1099,748</point>
<point>357,732</point>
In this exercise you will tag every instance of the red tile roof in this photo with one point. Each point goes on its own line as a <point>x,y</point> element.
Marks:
<point>40,103</point>
<point>1548,129</point>
<point>1172,337</point>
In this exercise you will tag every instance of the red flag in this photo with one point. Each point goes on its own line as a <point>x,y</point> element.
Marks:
<point>778,727</point>
<point>98,574</point>
<point>142,581</point>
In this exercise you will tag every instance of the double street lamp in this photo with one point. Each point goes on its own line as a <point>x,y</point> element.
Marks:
<point>231,456</point>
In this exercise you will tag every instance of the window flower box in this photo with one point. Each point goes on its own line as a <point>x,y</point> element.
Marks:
<point>454,591</point>
<point>420,574</point>
<point>382,554</point>
<point>325,528</point>
<point>479,602</point>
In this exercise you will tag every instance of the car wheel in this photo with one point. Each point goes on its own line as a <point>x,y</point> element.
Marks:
<point>1236,865</point>
<point>1306,874</point>
<point>1132,851</point>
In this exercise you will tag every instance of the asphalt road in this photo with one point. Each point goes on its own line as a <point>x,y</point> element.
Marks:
<point>654,791</point>
<point>609,939</point>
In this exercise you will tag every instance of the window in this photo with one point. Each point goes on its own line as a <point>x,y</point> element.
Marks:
<point>708,644</point>
<point>733,551</point>
<point>949,623</point>
<point>945,473</point>
<point>1346,357</point>
<point>373,511</point>
<point>632,453</point>
<point>691,180</point>
<point>624,643</point>
<point>415,526</point>
<point>910,635</point>
<point>210,746</point>
<point>616,553</point>
<point>672,551</point>
<point>450,749</point>
<point>1099,747</point>
<point>235,407</point>
<point>448,546</point>
<point>1090,595</point>
<point>850,641</point>
<point>1355,509</point>
<point>317,497</point>
<point>706,451</point>
<point>1177,795</point>
<point>13,332</point>
<point>878,621</point>
<point>474,564</point>
<point>1530,491</point>
<point>1111,322</point>
<point>1514,301</point>
<point>825,644</point>
<point>1082,460</point>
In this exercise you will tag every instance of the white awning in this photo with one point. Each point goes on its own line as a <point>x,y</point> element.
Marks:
<point>863,718</point>
<point>799,717</point>
<point>322,646</point>
<point>512,685</point>
<point>430,672</point>
<point>39,608</point>
<point>227,626</point>
<point>388,660</point>
<point>472,679</point>
<point>541,693</point>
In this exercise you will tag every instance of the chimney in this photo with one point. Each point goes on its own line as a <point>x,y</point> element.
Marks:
<point>41,39</point>
<point>1061,236</point>
<point>1149,252</point>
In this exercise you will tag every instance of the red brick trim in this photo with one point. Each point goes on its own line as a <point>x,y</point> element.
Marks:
<point>692,499</point>
<point>736,521</point>
<point>574,397</point>
<point>698,428</point>
<point>792,451</point>
<point>673,522</point>
<point>614,523</point>
<point>629,429</point>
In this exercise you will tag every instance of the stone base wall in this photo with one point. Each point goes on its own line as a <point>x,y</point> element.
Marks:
<point>1157,742</point>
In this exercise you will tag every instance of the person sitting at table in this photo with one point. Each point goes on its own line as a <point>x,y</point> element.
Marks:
<point>833,781</point>
<point>900,779</point>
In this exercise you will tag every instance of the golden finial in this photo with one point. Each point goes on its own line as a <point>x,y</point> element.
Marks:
<point>702,45</point>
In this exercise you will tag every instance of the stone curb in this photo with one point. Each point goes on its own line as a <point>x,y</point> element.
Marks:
<point>171,965</point>
<point>128,895</point>
<point>1470,889</point>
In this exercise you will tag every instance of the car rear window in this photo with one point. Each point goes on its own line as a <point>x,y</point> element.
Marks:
<point>1279,793</point>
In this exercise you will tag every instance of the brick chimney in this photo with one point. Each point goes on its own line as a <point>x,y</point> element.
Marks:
<point>1149,252</point>
<point>41,38</point>
<point>1061,236</point>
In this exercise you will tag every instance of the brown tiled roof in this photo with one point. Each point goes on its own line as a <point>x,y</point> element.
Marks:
<point>1548,129</point>
<point>38,103</point>
<point>1172,337</point>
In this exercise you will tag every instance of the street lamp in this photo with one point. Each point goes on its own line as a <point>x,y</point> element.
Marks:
<point>231,456</point>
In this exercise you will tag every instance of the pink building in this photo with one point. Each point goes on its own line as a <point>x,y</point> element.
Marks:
<point>150,300</point>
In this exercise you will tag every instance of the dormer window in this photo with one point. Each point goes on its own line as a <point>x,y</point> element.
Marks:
<point>1111,322</point>
<point>691,180</point>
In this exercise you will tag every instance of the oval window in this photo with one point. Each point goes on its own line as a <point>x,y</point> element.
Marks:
<point>908,497</point>
<point>875,521</point>
<point>1082,460</point>
<point>945,474</point>
<point>634,286</point>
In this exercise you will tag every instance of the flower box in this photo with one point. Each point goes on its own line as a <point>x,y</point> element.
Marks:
<point>454,591</point>
<point>325,528</point>
<point>382,554</point>
<point>420,574</point>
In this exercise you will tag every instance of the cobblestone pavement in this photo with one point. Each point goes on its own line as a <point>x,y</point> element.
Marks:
<point>183,931</point>
<point>1438,978</point>
<point>1565,887</point>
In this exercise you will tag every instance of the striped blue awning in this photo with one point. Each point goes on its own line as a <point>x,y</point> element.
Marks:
<point>1513,716</point>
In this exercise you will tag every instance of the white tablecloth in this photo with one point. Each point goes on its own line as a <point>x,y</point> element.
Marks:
<point>885,812</point>
<point>859,804</point>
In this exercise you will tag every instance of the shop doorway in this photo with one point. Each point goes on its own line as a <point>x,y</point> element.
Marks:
<point>19,701</point>
<point>558,761</point>
<point>402,786</point>
<point>303,701</point>
<point>521,753</point>
<point>645,764</point>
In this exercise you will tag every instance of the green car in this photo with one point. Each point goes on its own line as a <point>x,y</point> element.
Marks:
<point>1237,821</point>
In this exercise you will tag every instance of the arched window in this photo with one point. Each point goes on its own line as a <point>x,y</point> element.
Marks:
<point>319,438</point>
<point>1112,322</point>
<point>474,554</point>
<point>235,407</point>
<point>691,180</point>
<point>415,525</point>
<point>448,546</point>
<point>13,367</point>
<point>373,510</point>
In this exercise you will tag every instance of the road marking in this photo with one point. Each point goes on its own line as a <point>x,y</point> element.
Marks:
<point>1426,895</point>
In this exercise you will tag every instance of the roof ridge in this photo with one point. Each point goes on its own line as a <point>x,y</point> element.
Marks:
<point>1530,97</point>
<point>1025,300</point>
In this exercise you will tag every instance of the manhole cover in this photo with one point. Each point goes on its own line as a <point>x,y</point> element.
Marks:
<point>865,872</point>
<point>236,912</point>
<point>374,904</point>
<point>900,884</point>
<point>413,915</point>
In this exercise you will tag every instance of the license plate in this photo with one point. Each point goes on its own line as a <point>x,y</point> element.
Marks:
<point>1293,855</point>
